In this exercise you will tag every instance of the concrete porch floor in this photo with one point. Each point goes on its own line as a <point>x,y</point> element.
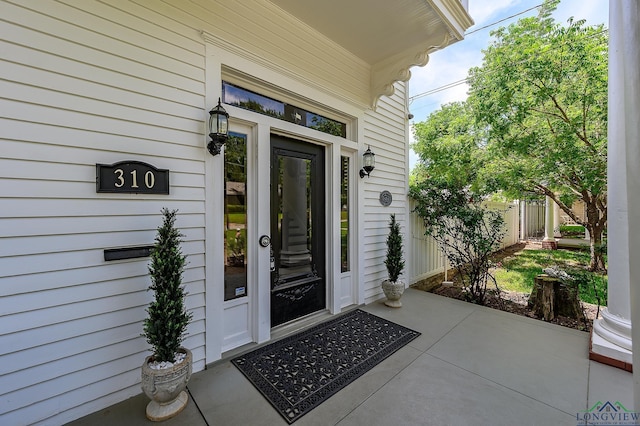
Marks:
<point>471,366</point>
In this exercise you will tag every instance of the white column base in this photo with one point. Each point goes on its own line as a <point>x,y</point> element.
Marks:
<point>611,337</point>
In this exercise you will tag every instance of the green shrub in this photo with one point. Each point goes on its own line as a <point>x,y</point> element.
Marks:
<point>167,319</point>
<point>466,232</point>
<point>572,231</point>
<point>393,261</point>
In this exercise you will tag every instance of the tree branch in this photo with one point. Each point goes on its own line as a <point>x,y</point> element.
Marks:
<point>546,191</point>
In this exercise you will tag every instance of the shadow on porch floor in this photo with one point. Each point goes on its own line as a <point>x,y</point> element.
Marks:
<point>471,365</point>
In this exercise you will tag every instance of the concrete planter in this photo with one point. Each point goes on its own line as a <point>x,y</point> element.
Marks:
<point>166,388</point>
<point>393,291</point>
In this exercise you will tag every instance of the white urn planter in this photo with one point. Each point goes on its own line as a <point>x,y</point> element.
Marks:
<point>166,387</point>
<point>393,291</point>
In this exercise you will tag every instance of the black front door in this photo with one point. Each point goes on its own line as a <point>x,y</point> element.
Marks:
<point>297,229</point>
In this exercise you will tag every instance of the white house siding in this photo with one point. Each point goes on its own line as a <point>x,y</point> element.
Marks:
<point>386,132</point>
<point>85,82</point>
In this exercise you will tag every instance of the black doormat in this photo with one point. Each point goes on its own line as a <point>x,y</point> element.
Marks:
<point>298,373</point>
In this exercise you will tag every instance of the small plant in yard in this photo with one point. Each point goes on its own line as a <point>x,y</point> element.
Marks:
<point>590,287</point>
<point>467,233</point>
<point>167,320</point>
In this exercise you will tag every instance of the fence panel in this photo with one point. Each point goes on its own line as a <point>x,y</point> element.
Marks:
<point>427,259</point>
<point>534,219</point>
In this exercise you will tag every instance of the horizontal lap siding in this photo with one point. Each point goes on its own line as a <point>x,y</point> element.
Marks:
<point>84,83</point>
<point>385,132</point>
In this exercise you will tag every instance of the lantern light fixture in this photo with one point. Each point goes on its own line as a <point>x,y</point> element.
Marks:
<point>218,128</point>
<point>368,163</point>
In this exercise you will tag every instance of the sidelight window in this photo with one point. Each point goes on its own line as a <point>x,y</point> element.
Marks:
<point>235,216</point>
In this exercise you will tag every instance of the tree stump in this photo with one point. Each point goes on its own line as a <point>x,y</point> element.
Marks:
<point>551,298</point>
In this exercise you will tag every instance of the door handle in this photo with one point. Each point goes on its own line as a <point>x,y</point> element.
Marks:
<point>265,241</point>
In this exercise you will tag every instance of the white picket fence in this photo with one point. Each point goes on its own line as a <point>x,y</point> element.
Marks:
<point>427,259</point>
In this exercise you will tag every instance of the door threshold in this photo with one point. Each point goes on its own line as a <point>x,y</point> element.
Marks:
<point>299,324</point>
<point>277,333</point>
<point>282,331</point>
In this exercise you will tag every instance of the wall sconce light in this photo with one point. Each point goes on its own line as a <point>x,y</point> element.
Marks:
<point>218,128</point>
<point>368,163</point>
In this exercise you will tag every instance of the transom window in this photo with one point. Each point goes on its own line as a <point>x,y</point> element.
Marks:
<point>247,99</point>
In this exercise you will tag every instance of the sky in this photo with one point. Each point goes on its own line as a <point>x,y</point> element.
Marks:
<point>451,65</point>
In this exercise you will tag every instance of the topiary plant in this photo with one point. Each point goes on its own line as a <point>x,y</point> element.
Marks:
<point>394,262</point>
<point>167,319</point>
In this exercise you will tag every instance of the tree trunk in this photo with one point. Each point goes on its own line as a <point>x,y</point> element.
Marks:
<point>551,298</point>
<point>595,229</point>
<point>595,223</point>
<point>595,246</point>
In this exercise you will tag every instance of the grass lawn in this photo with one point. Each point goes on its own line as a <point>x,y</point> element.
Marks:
<point>517,272</point>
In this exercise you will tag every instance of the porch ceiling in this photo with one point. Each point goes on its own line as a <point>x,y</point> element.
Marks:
<point>390,36</point>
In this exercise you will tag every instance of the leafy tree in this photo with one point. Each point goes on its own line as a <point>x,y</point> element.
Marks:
<point>326,125</point>
<point>541,96</point>
<point>466,232</point>
<point>235,158</point>
<point>449,146</point>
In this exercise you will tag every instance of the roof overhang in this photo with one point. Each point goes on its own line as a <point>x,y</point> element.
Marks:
<point>390,36</point>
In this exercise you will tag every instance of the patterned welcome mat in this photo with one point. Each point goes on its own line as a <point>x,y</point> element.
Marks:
<point>298,373</point>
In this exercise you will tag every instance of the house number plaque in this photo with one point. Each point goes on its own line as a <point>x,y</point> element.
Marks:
<point>131,177</point>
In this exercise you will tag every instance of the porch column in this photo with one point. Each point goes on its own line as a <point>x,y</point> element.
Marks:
<point>294,249</point>
<point>549,242</point>
<point>556,221</point>
<point>612,334</point>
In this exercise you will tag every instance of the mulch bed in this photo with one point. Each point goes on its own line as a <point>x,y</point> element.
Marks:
<point>515,303</point>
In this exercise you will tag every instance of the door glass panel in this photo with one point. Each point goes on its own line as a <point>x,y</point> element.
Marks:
<point>345,261</point>
<point>294,219</point>
<point>298,286</point>
<point>235,216</point>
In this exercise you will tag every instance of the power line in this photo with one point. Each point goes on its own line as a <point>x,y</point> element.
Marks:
<point>465,80</point>
<point>502,20</point>
<point>439,89</point>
